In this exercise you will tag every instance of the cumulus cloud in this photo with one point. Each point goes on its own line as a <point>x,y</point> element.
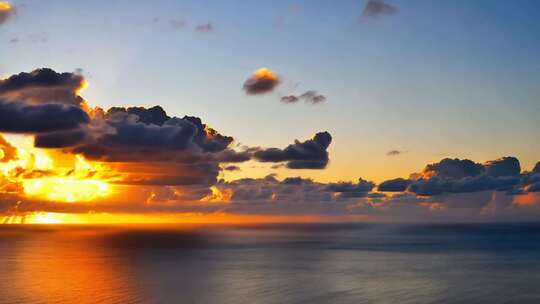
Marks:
<point>23,118</point>
<point>261,82</point>
<point>377,8</point>
<point>310,154</point>
<point>394,185</point>
<point>348,189</point>
<point>172,164</point>
<point>6,11</point>
<point>43,86</point>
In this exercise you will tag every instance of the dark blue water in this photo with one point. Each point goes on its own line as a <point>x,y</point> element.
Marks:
<point>375,263</point>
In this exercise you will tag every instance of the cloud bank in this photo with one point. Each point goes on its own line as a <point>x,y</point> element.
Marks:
<point>158,163</point>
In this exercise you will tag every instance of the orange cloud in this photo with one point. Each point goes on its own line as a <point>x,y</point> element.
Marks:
<point>261,81</point>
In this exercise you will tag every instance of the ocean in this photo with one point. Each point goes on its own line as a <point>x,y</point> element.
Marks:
<point>304,263</point>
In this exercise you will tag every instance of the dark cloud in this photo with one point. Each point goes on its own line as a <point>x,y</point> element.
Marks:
<point>438,185</point>
<point>205,28</point>
<point>453,168</point>
<point>150,133</point>
<point>394,185</point>
<point>6,11</point>
<point>261,82</point>
<point>7,151</point>
<point>506,166</point>
<point>43,86</point>
<point>290,99</point>
<point>464,176</point>
<point>154,115</point>
<point>537,168</point>
<point>313,97</point>
<point>61,139</point>
<point>310,154</point>
<point>376,8</point>
<point>393,153</point>
<point>18,117</point>
<point>348,189</point>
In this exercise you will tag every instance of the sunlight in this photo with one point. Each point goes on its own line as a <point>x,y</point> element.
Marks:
<point>66,189</point>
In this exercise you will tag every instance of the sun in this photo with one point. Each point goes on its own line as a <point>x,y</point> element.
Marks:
<point>65,189</point>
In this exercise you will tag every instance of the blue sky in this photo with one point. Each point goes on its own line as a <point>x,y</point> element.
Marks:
<point>437,79</point>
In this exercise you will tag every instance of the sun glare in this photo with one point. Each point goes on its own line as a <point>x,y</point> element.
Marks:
<point>5,6</point>
<point>65,189</point>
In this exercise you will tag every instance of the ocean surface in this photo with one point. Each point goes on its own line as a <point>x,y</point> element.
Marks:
<point>360,263</point>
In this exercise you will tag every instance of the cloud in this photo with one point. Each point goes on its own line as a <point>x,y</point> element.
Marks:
<point>463,176</point>
<point>18,117</point>
<point>261,82</point>
<point>290,99</point>
<point>6,11</point>
<point>161,163</point>
<point>310,154</point>
<point>376,8</point>
<point>506,166</point>
<point>393,153</point>
<point>311,97</point>
<point>394,185</point>
<point>453,168</point>
<point>205,28</point>
<point>43,86</point>
<point>537,168</point>
<point>348,189</point>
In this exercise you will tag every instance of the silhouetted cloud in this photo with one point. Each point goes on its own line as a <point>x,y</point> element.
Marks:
<point>349,190</point>
<point>311,97</point>
<point>261,82</point>
<point>506,166</point>
<point>376,8</point>
<point>175,163</point>
<point>43,86</point>
<point>290,99</point>
<point>204,28</point>
<point>310,154</point>
<point>453,168</point>
<point>394,185</point>
<point>23,118</point>
<point>393,153</point>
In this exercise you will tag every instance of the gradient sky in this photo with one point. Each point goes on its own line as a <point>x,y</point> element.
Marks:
<point>437,79</point>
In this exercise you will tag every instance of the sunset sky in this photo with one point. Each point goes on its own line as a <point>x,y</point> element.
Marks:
<point>310,110</point>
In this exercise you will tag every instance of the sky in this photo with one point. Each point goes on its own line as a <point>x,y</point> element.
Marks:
<point>397,85</point>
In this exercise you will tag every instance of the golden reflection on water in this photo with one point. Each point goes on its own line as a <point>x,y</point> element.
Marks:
<point>66,267</point>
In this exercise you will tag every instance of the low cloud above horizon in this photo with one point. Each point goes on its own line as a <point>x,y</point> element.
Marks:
<point>83,159</point>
